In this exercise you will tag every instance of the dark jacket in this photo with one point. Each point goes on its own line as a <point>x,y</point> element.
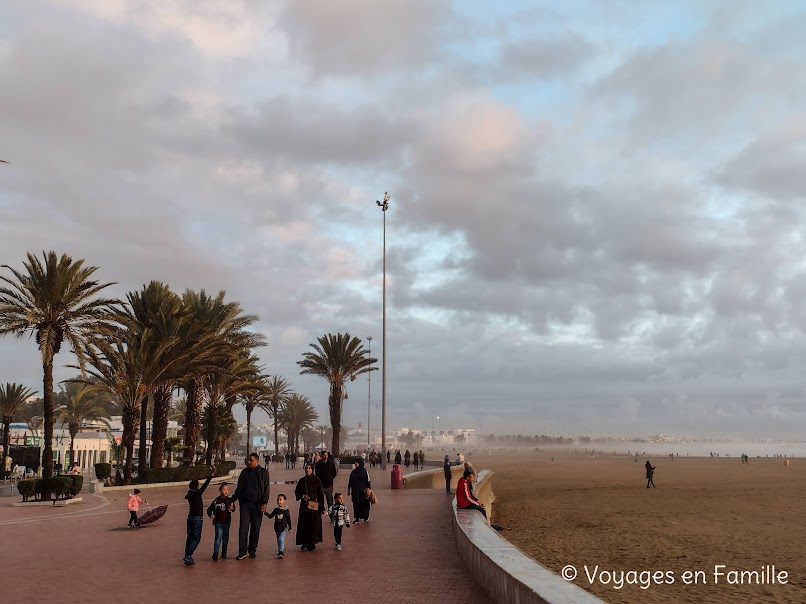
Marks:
<point>326,472</point>
<point>447,469</point>
<point>195,499</point>
<point>219,510</point>
<point>359,481</point>
<point>282,519</point>
<point>256,494</point>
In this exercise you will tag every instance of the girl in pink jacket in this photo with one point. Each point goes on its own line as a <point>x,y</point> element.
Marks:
<point>134,506</point>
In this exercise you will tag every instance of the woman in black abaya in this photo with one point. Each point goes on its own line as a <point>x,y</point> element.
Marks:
<point>309,524</point>
<point>356,489</point>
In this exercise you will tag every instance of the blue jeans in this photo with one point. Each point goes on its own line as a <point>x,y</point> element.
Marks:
<point>221,538</point>
<point>281,540</point>
<point>194,534</point>
<point>473,506</point>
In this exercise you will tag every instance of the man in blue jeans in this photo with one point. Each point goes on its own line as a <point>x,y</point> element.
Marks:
<point>195,516</point>
<point>252,494</point>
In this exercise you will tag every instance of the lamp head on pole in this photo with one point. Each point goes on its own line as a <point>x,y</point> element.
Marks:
<point>385,204</point>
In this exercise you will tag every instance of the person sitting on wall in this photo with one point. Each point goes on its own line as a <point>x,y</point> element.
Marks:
<point>464,497</point>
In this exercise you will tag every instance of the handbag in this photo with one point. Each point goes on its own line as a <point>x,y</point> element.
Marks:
<point>312,505</point>
<point>370,496</point>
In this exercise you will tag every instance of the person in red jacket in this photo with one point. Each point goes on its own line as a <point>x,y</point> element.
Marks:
<point>464,498</point>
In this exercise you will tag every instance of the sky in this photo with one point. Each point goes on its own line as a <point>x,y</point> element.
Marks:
<point>596,225</point>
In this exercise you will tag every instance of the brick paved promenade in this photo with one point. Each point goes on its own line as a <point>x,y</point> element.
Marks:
<point>84,553</point>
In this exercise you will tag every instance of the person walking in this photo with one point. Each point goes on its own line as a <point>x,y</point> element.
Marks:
<point>133,505</point>
<point>282,523</point>
<point>650,474</point>
<point>422,460</point>
<point>446,468</point>
<point>416,457</point>
<point>398,457</point>
<point>195,516</point>
<point>388,456</point>
<point>325,470</point>
<point>311,499</point>
<point>252,494</point>
<point>340,518</point>
<point>407,458</point>
<point>220,510</point>
<point>357,486</point>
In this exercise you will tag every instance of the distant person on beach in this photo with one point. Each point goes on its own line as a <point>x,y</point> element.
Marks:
<point>464,497</point>
<point>650,474</point>
<point>446,467</point>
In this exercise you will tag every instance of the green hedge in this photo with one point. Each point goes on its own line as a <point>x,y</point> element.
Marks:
<point>59,486</point>
<point>349,460</point>
<point>183,473</point>
<point>279,458</point>
<point>77,482</point>
<point>103,471</point>
<point>29,488</point>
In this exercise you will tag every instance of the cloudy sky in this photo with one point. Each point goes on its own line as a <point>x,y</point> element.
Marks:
<point>597,219</point>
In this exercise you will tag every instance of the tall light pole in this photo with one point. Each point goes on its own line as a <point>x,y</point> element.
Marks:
<point>384,206</point>
<point>369,387</point>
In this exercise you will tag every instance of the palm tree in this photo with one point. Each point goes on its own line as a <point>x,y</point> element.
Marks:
<point>337,359</point>
<point>32,414</point>
<point>321,428</point>
<point>296,414</point>
<point>278,391</point>
<point>256,399</point>
<point>12,400</point>
<point>172,445</point>
<point>79,403</point>
<point>53,301</point>
<point>226,427</point>
<point>226,323</point>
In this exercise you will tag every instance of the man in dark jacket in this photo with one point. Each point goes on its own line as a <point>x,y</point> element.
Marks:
<point>252,494</point>
<point>325,470</point>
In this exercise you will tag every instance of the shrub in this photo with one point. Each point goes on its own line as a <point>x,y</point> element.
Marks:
<point>225,468</point>
<point>103,471</point>
<point>76,482</point>
<point>279,458</point>
<point>58,485</point>
<point>348,460</point>
<point>29,488</point>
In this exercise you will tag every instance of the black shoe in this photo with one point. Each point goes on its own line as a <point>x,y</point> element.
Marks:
<point>280,555</point>
<point>313,548</point>
<point>303,549</point>
<point>224,556</point>
<point>240,556</point>
<point>252,555</point>
<point>215,557</point>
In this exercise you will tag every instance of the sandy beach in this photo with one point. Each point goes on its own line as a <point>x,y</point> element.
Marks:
<point>707,520</point>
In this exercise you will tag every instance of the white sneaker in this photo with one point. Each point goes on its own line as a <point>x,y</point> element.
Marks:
<point>338,547</point>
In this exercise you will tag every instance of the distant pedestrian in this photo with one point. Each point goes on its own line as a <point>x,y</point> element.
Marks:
<point>220,510</point>
<point>282,523</point>
<point>357,486</point>
<point>311,509</point>
<point>325,470</point>
<point>293,461</point>
<point>398,457</point>
<point>422,460</point>
<point>340,518</point>
<point>408,458</point>
<point>195,516</point>
<point>416,457</point>
<point>468,466</point>
<point>650,474</point>
<point>287,461</point>
<point>252,494</point>
<point>133,506</point>
<point>446,468</point>
<point>388,456</point>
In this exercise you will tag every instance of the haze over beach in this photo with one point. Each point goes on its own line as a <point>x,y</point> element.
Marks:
<point>596,211</point>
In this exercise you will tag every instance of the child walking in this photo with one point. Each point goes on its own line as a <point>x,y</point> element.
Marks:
<point>221,513</point>
<point>282,523</point>
<point>340,518</point>
<point>134,506</point>
<point>195,517</point>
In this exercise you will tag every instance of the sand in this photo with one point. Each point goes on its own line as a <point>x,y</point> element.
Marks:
<point>705,512</point>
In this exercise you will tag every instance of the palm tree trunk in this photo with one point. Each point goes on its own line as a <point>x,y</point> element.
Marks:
<point>72,445</point>
<point>142,458</point>
<point>248,428</point>
<point>47,451</point>
<point>159,425</point>
<point>212,431</point>
<point>192,420</point>
<point>274,412</point>
<point>131,419</point>
<point>334,403</point>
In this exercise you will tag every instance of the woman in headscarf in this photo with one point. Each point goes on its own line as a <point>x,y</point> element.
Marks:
<point>398,457</point>
<point>407,458</point>
<point>356,489</point>
<point>309,524</point>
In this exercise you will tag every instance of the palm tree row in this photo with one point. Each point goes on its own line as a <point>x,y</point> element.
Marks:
<point>138,352</point>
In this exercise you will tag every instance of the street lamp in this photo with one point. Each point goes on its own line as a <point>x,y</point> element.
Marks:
<point>369,387</point>
<point>384,206</point>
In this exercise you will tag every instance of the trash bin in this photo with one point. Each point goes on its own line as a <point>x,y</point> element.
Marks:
<point>397,477</point>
